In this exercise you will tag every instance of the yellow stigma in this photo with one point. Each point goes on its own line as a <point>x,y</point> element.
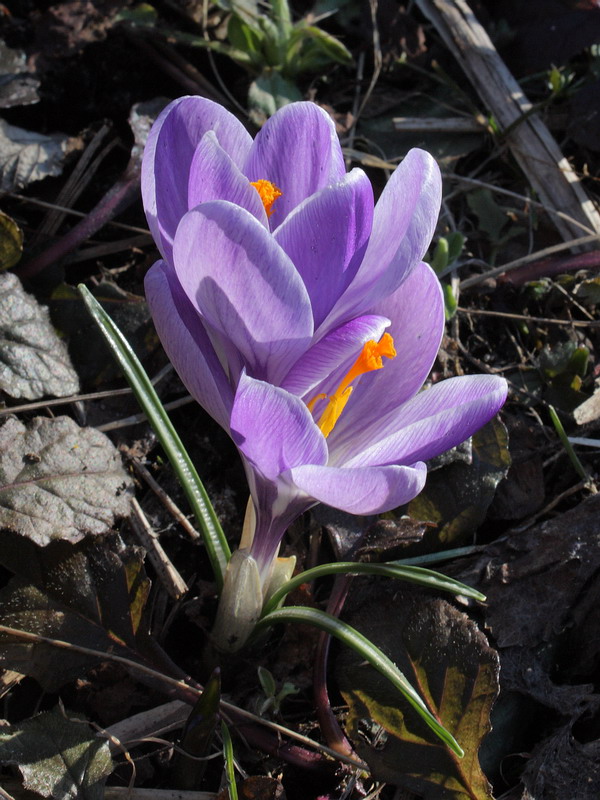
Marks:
<point>268,194</point>
<point>370,358</point>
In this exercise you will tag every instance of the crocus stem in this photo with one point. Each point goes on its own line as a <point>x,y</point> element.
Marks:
<point>330,728</point>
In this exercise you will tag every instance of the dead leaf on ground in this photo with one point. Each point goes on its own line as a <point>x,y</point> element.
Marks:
<point>34,362</point>
<point>59,481</point>
<point>18,87</point>
<point>59,758</point>
<point>84,594</point>
<point>448,660</point>
<point>26,156</point>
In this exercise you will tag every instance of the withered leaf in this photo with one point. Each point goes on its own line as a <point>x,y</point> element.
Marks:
<point>458,496</point>
<point>58,758</point>
<point>84,594</point>
<point>448,660</point>
<point>26,156</point>
<point>34,362</point>
<point>59,481</point>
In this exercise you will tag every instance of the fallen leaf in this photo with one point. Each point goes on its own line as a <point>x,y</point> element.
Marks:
<point>17,86</point>
<point>11,242</point>
<point>458,496</point>
<point>59,481</point>
<point>85,594</point>
<point>448,660</point>
<point>26,156</point>
<point>34,362</point>
<point>58,757</point>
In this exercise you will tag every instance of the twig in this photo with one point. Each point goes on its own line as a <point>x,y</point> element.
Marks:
<point>530,141</point>
<point>542,320</point>
<point>518,262</point>
<point>167,573</point>
<point>43,204</point>
<point>558,499</point>
<point>164,498</point>
<point>135,419</point>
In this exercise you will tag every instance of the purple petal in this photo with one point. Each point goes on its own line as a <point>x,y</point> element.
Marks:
<point>273,428</point>
<point>168,155</point>
<point>214,176</point>
<point>403,224</point>
<point>186,343</point>
<point>298,150</point>
<point>417,313</point>
<point>337,348</point>
<point>436,420</point>
<point>367,490</point>
<point>245,286</point>
<point>326,237</point>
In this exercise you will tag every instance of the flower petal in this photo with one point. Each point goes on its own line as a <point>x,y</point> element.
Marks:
<point>403,224</point>
<point>368,490</point>
<point>214,176</point>
<point>273,428</point>
<point>436,420</point>
<point>169,152</point>
<point>333,351</point>
<point>417,313</point>
<point>245,286</point>
<point>186,343</point>
<point>298,150</point>
<point>326,237</point>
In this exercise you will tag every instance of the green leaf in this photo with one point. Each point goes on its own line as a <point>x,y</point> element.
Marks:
<point>34,362</point>
<point>59,481</point>
<point>458,495</point>
<point>246,39</point>
<point>369,652</point>
<point>197,737</point>
<point>214,538</point>
<point>311,49</point>
<point>491,217</point>
<point>58,757</point>
<point>85,594</point>
<point>412,574</point>
<point>443,653</point>
<point>141,16</point>
<point>269,92</point>
<point>11,242</point>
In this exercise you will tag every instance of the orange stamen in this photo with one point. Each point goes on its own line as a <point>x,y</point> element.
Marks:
<point>370,358</point>
<point>268,194</point>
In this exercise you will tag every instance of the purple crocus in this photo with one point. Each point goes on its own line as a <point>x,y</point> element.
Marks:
<point>299,314</point>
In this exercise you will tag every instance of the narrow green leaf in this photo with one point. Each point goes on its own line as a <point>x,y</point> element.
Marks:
<point>214,538</point>
<point>418,575</point>
<point>229,761</point>
<point>361,645</point>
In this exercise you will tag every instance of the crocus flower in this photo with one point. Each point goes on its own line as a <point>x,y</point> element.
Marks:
<point>299,314</point>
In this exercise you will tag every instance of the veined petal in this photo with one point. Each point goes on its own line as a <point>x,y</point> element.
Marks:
<point>332,353</point>
<point>186,343</point>
<point>403,224</point>
<point>298,150</point>
<point>168,155</point>
<point>273,428</point>
<point>417,313</point>
<point>326,237</point>
<point>214,176</point>
<point>436,420</point>
<point>367,490</point>
<point>245,286</point>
